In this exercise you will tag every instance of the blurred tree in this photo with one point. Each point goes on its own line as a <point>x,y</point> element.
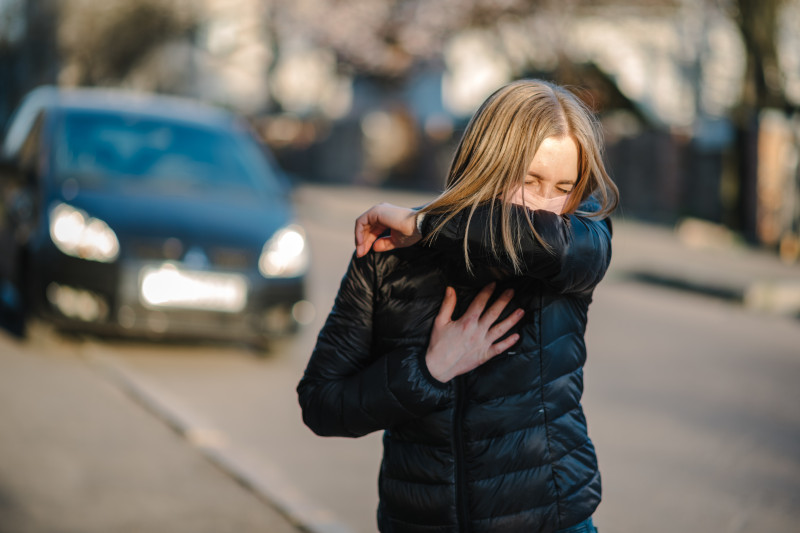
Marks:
<point>758,23</point>
<point>102,42</point>
<point>386,39</point>
<point>27,49</point>
<point>762,87</point>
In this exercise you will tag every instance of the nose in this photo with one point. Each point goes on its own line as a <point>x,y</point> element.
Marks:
<point>537,188</point>
<point>548,192</point>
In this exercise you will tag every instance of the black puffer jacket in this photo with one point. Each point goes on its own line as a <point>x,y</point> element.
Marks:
<point>503,448</point>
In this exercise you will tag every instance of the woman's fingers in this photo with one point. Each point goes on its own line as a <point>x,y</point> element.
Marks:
<point>496,309</point>
<point>503,345</point>
<point>384,244</point>
<point>367,230</point>
<point>448,306</point>
<point>458,346</point>
<point>478,304</point>
<point>369,226</point>
<point>377,219</point>
<point>362,222</point>
<point>365,243</point>
<point>501,328</point>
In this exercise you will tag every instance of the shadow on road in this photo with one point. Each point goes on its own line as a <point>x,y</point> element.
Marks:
<point>34,328</point>
<point>10,510</point>
<point>12,323</point>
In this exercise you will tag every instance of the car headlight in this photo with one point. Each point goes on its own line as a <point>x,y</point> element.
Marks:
<point>77,234</point>
<point>285,255</point>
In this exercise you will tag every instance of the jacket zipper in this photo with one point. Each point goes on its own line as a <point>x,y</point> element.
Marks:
<point>462,507</point>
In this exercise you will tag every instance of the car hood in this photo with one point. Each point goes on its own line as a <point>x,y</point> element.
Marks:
<point>225,219</point>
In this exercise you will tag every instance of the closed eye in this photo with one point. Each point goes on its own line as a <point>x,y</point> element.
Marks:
<point>565,187</point>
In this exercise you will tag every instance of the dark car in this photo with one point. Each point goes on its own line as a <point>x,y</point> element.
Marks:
<point>150,215</point>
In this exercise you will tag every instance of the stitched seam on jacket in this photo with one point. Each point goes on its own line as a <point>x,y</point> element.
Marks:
<point>526,428</point>
<point>389,389</point>
<point>406,338</point>
<point>524,511</point>
<point>482,400</point>
<point>512,472</point>
<point>446,527</point>
<point>526,391</point>
<point>584,485</point>
<point>400,440</point>
<point>376,284</point>
<point>579,369</point>
<point>567,334</point>
<point>544,412</point>
<point>424,483</point>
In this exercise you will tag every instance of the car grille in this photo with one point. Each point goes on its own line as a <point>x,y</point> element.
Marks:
<point>149,251</point>
<point>220,257</point>
<point>230,258</point>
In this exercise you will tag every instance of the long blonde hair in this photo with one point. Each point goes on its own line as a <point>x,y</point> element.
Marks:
<point>500,141</point>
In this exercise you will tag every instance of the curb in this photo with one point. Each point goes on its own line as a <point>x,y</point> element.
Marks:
<point>248,469</point>
<point>775,297</point>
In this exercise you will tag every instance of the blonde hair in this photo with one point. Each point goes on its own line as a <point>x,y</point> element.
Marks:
<point>500,141</point>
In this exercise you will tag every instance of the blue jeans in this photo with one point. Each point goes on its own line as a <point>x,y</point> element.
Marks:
<point>584,527</point>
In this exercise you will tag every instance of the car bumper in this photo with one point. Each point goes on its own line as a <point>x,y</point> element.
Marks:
<point>78,294</point>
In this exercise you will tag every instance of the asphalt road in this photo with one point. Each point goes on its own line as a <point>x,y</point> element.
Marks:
<point>692,403</point>
<point>78,456</point>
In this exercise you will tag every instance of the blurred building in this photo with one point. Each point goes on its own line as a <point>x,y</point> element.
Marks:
<point>232,54</point>
<point>378,92</point>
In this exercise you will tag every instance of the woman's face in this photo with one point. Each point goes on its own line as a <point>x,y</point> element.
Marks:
<point>551,175</point>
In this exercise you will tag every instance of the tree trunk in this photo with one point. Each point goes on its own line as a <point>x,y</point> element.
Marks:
<point>761,88</point>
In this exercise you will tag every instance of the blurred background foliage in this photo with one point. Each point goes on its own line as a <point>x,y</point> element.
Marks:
<point>698,98</point>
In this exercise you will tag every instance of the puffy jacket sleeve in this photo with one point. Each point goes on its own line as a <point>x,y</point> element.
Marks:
<point>349,391</point>
<point>580,247</point>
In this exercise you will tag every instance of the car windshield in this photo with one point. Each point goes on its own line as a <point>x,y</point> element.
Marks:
<point>120,151</point>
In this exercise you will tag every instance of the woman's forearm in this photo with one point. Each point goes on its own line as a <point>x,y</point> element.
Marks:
<point>577,254</point>
<point>394,389</point>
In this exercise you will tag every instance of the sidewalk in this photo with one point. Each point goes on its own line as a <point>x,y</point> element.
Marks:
<point>76,454</point>
<point>702,258</point>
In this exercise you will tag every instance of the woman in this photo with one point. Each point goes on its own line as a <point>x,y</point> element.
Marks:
<point>483,427</point>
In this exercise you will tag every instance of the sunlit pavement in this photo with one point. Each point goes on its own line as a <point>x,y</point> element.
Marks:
<point>691,397</point>
<point>77,455</point>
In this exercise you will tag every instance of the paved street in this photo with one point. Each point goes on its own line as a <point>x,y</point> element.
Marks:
<point>691,401</point>
<point>78,456</point>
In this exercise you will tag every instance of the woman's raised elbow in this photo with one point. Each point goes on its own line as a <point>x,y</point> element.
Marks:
<point>318,414</point>
<point>320,425</point>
